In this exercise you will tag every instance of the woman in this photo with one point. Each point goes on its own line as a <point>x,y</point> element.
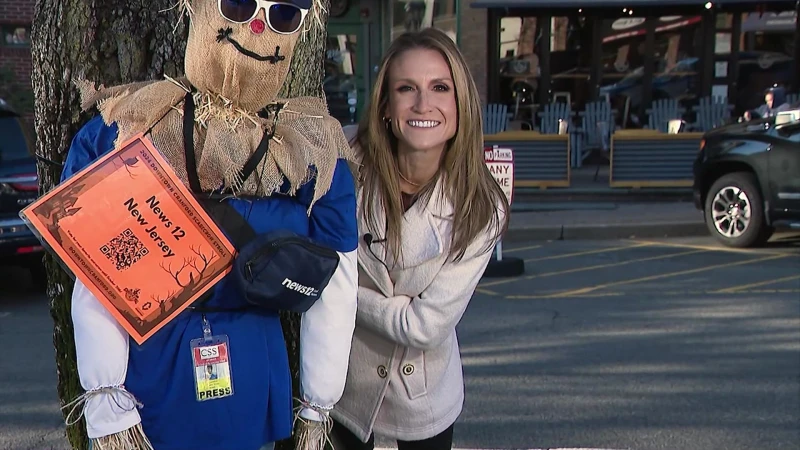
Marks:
<point>430,214</point>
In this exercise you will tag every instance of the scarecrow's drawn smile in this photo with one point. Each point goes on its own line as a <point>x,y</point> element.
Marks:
<point>225,34</point>
<point>282,17</point>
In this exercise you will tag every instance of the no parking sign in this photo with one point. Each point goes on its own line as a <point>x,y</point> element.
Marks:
<point>500,162</point>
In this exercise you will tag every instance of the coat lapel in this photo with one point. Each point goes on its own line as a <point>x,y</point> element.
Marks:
<point>424,226</point>
<point>371,257</point>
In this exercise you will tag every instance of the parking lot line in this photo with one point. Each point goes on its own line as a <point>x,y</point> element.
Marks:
<point>586,290</point>
<point>519,249</point>
<point>752,285</point>
<point>681,293</point>
<point>586,268</point>
<point>486,291</point>
<point>614,264</point>
<point>711,248</point>
<point>566,255</point>
<point>589,252</point>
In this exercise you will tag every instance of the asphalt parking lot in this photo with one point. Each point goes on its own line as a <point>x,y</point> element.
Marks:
<point>675,344</point>
<point>644,267</point>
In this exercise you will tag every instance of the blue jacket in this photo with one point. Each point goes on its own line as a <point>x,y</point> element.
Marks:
<point>160,371</point>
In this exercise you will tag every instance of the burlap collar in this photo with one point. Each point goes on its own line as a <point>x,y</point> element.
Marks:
<point>306,141</point>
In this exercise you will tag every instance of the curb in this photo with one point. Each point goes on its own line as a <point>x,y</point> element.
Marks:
<point>606,231</point>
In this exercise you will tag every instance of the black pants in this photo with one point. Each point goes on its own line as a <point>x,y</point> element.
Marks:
<point>349,441</point>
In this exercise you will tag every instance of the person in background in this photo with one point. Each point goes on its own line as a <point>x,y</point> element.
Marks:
<point>774,102</point>
<point>429,215</point>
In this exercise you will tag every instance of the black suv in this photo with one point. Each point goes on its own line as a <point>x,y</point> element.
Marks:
<point>747,179</point>
<point>18,188</point>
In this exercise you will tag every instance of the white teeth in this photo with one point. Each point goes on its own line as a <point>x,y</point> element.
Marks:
<point>423,123</point>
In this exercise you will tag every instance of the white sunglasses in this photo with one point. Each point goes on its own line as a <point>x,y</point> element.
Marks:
<point>282,17</point>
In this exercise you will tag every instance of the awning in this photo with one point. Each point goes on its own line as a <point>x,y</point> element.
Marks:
<point>625,27</point>
<point>606,3</point>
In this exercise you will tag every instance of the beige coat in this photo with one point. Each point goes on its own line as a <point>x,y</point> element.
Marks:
<point>405,379</point>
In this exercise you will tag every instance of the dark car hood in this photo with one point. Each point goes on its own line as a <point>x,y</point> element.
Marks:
<point>759,126</point>
<point>17,166</point>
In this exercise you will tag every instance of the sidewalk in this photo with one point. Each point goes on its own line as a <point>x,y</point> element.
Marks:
<point>604,221</point>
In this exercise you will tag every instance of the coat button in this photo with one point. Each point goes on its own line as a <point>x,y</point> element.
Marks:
<point>408,369</point>
<point>382,371</point>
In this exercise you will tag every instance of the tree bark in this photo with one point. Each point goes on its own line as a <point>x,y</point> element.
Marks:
<point>111,43</point>
<point>304,80</point>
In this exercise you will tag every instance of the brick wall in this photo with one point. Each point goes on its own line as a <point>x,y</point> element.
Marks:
<point>473,42</point>
<point>16,12</point>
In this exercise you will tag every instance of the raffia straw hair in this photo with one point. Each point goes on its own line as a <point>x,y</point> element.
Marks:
<point>131,439</point>
<point>314,14</point>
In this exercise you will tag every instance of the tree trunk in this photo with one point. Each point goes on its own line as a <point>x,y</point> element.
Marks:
<point>305,79</point>
<point>110,43</point>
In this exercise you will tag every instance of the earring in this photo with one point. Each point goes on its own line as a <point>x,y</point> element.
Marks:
<point>387,121</point>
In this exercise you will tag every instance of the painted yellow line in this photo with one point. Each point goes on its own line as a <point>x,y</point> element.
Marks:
<point>712,248</point>
<point>769,291</point>
<point>616,264</point>
<point>752,285</point>
<point>589,289</point>
<point>588,252</point>
<point>519,249</point>
<point>664,293</point>
<point>485,291</point>
<point>579,269</point>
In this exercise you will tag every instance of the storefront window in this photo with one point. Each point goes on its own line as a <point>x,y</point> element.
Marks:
<point>766,58</point>
<point>16,35</point>
<point>340,82</point>
<point>676,62</point>
<point>412,15</point>
<point>519,65</point>
<point>570,59</point>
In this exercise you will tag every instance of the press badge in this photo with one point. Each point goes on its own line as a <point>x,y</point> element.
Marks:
<point>211,363</point>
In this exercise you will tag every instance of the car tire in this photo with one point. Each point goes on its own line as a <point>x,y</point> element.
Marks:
<point>734,211</point>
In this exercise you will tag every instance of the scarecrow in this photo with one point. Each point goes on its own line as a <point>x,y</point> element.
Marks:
<point>208,125</point>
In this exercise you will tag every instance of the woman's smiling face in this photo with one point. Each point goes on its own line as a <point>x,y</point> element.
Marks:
<point>421,100</point>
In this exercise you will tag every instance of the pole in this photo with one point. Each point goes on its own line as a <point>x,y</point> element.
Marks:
<point>796,46</point>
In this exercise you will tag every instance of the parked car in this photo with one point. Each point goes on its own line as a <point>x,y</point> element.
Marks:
<point>747,179</point>
<point>18,188</point>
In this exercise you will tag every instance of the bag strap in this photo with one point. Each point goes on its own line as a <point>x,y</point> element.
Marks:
<point>188,143</point>
<point>227,218</point>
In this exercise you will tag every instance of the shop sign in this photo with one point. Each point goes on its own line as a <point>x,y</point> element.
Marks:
<point>500,162</point>
<point>627,22</point>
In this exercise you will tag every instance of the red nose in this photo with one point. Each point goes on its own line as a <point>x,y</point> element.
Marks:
<point>257,26</point>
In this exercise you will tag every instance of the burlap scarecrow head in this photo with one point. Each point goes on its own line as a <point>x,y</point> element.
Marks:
<point>237,58</point>
<point>241,50</point>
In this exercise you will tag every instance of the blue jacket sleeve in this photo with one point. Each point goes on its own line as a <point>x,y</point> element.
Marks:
<point>92,141</point>
<point>333,217</point>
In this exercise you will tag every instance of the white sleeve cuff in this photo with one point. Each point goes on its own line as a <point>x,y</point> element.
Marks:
<point>326,333</point>
<point>101,346</point>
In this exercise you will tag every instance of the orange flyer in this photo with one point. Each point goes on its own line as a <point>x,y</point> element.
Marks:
<point>129,229</point>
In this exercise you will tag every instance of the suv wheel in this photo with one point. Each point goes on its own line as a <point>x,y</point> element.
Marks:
<point>734,211</point>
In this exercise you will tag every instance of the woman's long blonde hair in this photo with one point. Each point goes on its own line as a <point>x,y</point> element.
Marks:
<point>475,195</point>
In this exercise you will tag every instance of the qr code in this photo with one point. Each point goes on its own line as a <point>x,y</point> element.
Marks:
<point>124,250</point>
